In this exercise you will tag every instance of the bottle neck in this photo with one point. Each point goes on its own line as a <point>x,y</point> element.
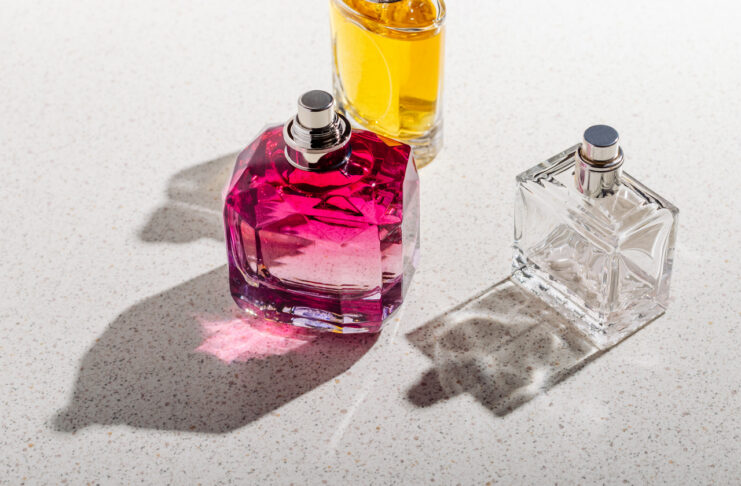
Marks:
<point>597,179</point>
<point>317,148</point>
<point>318,162</point>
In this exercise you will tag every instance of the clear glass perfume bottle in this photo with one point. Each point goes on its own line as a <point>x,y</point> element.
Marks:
<point>388,68</point>
<point>592,241</point>
<point>322,222</point>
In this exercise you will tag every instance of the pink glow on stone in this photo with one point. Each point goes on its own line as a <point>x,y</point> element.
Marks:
<point>240,339</point>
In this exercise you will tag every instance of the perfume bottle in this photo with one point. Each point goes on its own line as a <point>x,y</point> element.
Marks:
<point>592,241</point>
<point>388,68</point>
<point>322,222</point>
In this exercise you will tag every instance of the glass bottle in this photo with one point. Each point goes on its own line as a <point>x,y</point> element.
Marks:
<point>388,68</point>
<point>592,241</point>
<point>322,222</point>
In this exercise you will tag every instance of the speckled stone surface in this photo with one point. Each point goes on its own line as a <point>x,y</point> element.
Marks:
<point>121,360</point>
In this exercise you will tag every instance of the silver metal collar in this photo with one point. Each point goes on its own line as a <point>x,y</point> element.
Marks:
<point>316,134</point>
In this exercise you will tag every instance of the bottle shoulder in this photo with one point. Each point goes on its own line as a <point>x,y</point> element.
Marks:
<point>550,187</point>
<point>364,187</point>
<point>371,158</point>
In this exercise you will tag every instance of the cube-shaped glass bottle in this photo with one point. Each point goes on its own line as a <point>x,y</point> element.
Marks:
<point>592,241</point>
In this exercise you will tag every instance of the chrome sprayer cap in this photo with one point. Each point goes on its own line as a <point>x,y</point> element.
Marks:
<point>600,145</point>
<point>316,109</point>
<point>317,127</point>
<point>316,131</point>
<point>598,162</point>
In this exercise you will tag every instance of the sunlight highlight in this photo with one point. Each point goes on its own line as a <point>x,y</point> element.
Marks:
<point>242,338</point>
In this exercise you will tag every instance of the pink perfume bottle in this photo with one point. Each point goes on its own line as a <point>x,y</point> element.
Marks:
<point>322,222</point>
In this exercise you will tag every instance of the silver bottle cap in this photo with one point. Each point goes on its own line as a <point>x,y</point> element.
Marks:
<point>598,162</point>
<point>316,131</point>
<point>600,144</point>
<point>315,109</point>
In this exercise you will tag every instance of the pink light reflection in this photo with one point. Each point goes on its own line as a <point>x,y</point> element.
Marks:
<point>241,338</point>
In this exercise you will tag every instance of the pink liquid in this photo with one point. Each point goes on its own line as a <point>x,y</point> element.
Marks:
<point>334,250</point>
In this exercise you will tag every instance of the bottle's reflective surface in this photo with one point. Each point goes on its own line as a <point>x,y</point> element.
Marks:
<point>604,262</point>
<point>388,65</point>
<point>334,249</point>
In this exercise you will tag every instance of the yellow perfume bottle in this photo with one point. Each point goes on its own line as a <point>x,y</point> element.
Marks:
<point>388,68</point>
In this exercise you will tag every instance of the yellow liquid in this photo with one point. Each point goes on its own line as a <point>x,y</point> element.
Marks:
<point>389,79</point>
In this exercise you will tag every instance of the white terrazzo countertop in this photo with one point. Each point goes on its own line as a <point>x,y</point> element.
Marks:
<point>118,365</point>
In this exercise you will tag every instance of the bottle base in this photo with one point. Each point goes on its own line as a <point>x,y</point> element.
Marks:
<point>604,330</point>
<point>426,147</point>
<point>364,314</point>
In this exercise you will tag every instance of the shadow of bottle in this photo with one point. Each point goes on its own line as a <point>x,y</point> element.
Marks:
<point>194,205</point>
<point>504,347</point>
<point>186,359</point>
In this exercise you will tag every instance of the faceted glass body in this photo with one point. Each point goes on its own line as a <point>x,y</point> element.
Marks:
<point>388,68</point>
<point>334,250</point>
<point>605,263</point>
